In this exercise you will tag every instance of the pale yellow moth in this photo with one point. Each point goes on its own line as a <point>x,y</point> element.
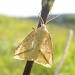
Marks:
<point>37,47</point>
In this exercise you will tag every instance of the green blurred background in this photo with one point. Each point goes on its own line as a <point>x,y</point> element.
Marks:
<point>14,30</point>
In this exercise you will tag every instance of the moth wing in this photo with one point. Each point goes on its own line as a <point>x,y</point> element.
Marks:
<point>45,56</point>
<point>25,47</point>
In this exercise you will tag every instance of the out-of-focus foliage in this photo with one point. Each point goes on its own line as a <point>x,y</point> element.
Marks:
<point>51,3</point>
<point>44,2</point>
<point>13,31</point>
<point>65,18</point>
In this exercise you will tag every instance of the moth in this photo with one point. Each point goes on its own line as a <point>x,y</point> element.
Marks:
<point>37,47</point>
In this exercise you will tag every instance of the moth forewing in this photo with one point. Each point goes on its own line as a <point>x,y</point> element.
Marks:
<point>24,47</point>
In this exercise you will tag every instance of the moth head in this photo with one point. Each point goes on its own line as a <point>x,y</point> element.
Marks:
<point>43,27</point>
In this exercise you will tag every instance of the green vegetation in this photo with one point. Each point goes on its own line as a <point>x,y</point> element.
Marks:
<point>13,31</point>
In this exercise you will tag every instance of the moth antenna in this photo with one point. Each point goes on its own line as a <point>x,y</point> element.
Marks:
<point>42,22</point>
<point>33,28</point>
<point>39,15</point>
<point>53,18</point>
<point>52,14</point>
<point>35,6</point>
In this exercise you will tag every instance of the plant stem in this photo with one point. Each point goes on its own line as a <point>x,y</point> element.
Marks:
<point>44,14</point>
<point>58,68</point>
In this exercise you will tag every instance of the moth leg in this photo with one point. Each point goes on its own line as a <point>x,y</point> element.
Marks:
<point>33,28</point>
